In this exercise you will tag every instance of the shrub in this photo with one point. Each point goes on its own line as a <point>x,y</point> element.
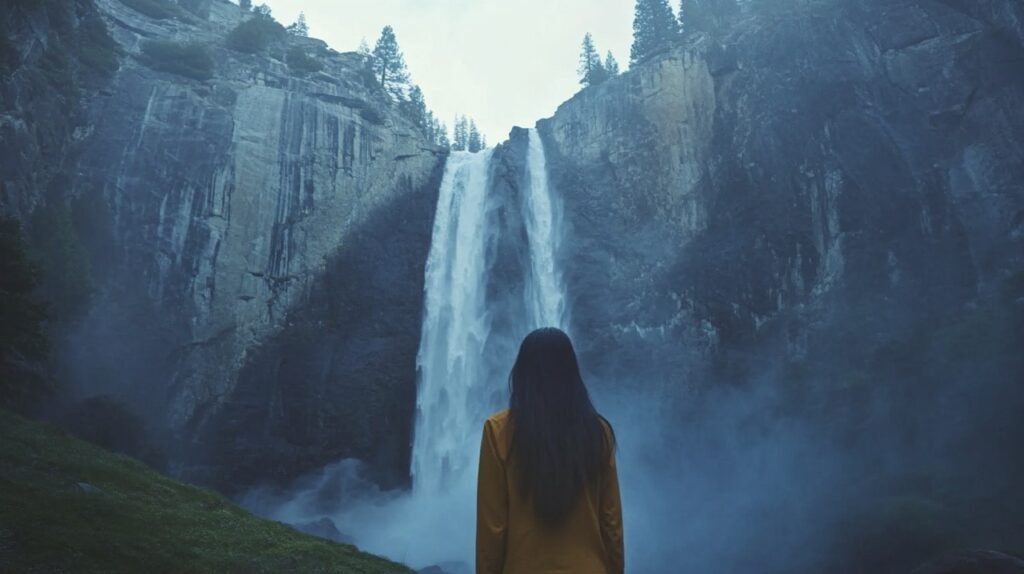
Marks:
<point>159,9</point>
<point>255,34</point>
<point>302,63</point>
<point>67,283</point>
<point>23,344</point>
<point>191,60</point>
<point>107,422</point>
<point>96,48</point>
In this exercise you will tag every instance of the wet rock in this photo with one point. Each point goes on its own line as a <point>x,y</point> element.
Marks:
<point>447,568</point>
<point>323,528</point>
<point>229,225</point>
<point>792,168</point>
<point>89,488</point>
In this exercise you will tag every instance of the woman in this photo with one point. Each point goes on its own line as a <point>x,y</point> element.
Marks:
<point>547,491</point>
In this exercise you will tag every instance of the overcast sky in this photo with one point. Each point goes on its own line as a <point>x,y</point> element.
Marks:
<point>503,62</point>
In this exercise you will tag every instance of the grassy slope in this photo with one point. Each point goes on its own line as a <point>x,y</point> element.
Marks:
<point>139,521</point>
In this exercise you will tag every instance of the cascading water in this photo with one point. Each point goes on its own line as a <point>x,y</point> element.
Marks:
<point>455,325</point>
<point>455,368</point>
<point>546,294</point>
<point>478,307</point>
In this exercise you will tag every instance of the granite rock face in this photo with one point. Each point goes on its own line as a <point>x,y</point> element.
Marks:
<point>260,262</point>
<point>800,166</point>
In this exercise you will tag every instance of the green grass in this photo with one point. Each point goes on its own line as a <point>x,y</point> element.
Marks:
<point>139,520</point>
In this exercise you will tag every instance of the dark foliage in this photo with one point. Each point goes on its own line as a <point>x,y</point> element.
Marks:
<point>255,34</point>
<point>67,277</point>
<point>108,423</point>
<point>706,15</point>
<point>96,48</point>
<point>23,343</point>
<point>300,62</point>
<point>389,64</point>
<point>159,9</point>
<point>73,503</point>
<point>591,70</point>
<point>655,30</point>
<point>190,60</point>
<point>300,27</point>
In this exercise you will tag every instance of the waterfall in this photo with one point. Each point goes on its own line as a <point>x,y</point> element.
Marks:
<point>458,373</point>
<point>455,325</point>
<point>491,277</point>
<point>547,299</point>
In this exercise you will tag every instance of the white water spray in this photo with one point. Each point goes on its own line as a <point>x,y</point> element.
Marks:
<point>455,386</point>
<point>462,363</point>
<point>455,327</point>
<point>543,224</point>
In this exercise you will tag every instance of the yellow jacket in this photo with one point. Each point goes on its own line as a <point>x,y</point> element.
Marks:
<point>510,539</point>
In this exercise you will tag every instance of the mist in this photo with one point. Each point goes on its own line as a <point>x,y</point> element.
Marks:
<point>785,236</point>
<point>727,482</point>
<point>875,453</point>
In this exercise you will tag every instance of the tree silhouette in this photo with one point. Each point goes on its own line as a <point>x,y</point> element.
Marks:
<point>300,27</point>
<point>389,64</point>
<point>591,71</point>
<point>611,65</point>
<point>655,30</point>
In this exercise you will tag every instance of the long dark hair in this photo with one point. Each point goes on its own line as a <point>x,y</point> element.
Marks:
<point>557,439</point>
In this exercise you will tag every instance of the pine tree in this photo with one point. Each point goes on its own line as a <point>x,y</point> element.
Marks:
<point>389,64</point>
<point>591,70</point>
<point>433,128</point>
<point>460,137</point>
<point>300,27</point>
<point>442,137</point>
<point>473,142</point>
<point>430,126</point>
<point>262,10</point>
<point>611,65</point>
<point>483,141</point>
<point>245,4</point>
<point>705,15</point>
<point>416,109</point>
<point>655,30</point>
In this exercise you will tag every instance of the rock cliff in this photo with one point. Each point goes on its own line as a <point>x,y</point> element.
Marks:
<point>810,214</point>
<point>803,191</point>
<point>802,168</point>
<point>259,242</point>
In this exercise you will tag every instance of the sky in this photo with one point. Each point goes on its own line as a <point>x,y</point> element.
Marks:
<point>504,63</point>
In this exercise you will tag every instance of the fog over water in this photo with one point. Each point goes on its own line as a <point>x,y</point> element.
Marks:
<point>785,236</point>
<point>818,471</point>
<point>713,481</point>
<point>468,344</point>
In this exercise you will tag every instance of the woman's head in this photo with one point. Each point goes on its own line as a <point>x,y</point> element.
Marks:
<point>558,442</point>
<point>546,374</point>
